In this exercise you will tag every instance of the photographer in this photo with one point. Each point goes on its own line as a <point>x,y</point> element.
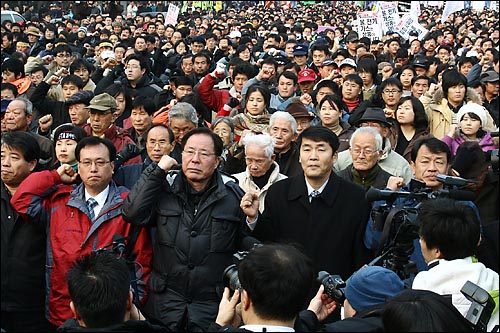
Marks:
<point>449,237</point>
<point>275,282</point>
<point>101,298</point>
<point>429,157</point>
<point>364,296</point>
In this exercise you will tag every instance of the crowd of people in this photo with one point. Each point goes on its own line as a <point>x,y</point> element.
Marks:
<point>140,157</point>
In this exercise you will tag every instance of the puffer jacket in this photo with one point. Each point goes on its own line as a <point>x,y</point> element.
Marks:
<point>439,113</point>
<point>193,243</point>
<point>42,198</point>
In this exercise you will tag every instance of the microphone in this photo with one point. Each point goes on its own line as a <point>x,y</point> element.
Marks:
<point>452,181</point>
<point>374,194</point>
<point>118,242</point>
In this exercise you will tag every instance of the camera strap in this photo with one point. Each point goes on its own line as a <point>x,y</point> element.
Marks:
<point>387,228</point>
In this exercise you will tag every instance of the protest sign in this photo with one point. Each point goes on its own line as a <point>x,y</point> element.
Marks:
<point>369,26</point>
<point>388,15</point>
<point>410,23</point>
<point>172,14</point>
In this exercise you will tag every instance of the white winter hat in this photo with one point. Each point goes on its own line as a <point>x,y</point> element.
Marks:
<point>477,109</point>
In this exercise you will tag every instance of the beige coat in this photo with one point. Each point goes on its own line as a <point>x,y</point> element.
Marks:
<point>247,184</point>
<point>439,113</point>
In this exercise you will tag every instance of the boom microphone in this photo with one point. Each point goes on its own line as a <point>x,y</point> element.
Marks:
<point>453,181</point>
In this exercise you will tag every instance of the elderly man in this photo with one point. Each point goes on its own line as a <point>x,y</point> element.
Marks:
<point>390,161</point>
<point>80,218</point>
<point>182,118</point>
<point>283,128</point>
<point>199,226</point>
<point>262,171</point>
<point>102,116</point>
<point>366,149</point>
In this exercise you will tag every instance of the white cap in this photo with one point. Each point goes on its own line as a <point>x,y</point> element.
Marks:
<point>235,34</point>
<point>477,109</point>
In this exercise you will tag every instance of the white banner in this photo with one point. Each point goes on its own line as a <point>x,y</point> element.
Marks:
<point>369,26</point>
<point>388,15</point>
<point>450,7</point>
<point>409,23</point>
<point>415,8</point>
<point>172,14</point>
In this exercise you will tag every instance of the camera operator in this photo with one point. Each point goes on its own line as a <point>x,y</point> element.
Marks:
<point>449,238</point>
<point>429,157</point>
<point>364,297</point>
<point>99,288</point>
<point>275,283</point>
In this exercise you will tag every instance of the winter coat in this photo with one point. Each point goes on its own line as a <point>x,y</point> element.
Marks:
<point>58,109</point>
<point>215,99</point>
<point>247,184</point>
<point>486,143</point>
<point>440,115</point>
<point>330,228</point>
<point>42,198</point>
<point>449,276</point>
<point>23,260</point>
<point>195,241</point>
<point>377,177</point>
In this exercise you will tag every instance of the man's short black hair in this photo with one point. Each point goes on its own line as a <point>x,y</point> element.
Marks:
<point>95,141</point>
<point>451,226</point>
<point>278,279</point>
<point>24,142</point>
<point>434,145</point>
<point>320,133</point>
<point>99,286</point>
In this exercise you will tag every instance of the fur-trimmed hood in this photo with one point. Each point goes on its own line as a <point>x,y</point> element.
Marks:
<point>471,96</point>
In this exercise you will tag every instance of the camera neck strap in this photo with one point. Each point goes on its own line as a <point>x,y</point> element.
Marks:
<point>387,228</point>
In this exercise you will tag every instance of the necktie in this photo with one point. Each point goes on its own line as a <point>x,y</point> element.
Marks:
<point>91,203</point>
<point>314,194</point>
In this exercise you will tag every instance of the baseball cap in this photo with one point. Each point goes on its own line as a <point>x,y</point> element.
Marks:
<point>307,75</point>
<point>372,285</point>
<point>351,37</point>
<point>80,97</point>
<point>300,50</point>
<point>103,102</point>
<point>329,62</point>
<point>199,39</point>
<point>420,62</point>
<point>348,62</point>
<point>489,76</point>
<point>235,34</point>
<point>5,104</point>
<point>281,60</point>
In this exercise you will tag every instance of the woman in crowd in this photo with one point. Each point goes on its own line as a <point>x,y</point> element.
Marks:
<point>411,124</point>
<point>330,110</point>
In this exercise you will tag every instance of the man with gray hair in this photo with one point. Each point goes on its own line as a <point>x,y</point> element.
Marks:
<point>18,117</point>
<point>366,149</point>
<point>283,128</point>
<point>262,171</point>
<point>182,118</point>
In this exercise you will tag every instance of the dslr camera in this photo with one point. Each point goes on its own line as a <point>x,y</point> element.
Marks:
<point>230,275</point>
<point>334,286</point>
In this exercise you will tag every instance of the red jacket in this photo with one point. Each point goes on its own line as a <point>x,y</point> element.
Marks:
<point>119,137</point>
<point>42,198</point>
<point>215,99</point>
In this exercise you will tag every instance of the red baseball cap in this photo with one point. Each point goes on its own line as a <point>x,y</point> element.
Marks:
<point>306,75</point>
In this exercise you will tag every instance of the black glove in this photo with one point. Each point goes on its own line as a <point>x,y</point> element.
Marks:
<point>233,102</point>
<point>128,151</point>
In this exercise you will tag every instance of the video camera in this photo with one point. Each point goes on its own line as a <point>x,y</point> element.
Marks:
<point>397,220</point>
<point>230,274</point>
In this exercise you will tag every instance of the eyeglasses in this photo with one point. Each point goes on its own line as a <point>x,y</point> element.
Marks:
<point>161,143</point>
<point>132,67</point>
<point>203,155</point>
<point>391,92</point>
<point>98,163</point>
<point>366,151</point>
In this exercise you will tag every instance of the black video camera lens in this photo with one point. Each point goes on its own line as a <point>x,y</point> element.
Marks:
<point>334,286</point>
<point>230,277</point>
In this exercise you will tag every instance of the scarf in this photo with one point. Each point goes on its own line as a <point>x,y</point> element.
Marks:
<point>258,123</point>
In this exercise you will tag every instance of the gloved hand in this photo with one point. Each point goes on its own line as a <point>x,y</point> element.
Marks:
<point>220,70</point>
<point>128,151</point>
<point>233,102</point>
